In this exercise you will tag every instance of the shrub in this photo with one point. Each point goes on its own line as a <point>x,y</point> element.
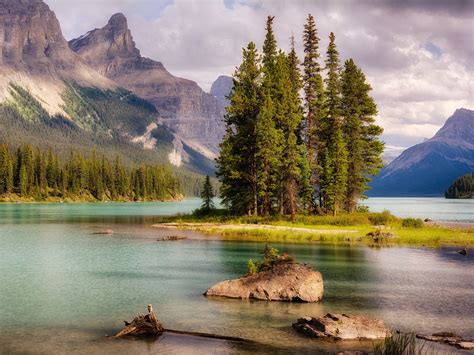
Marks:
<point>251,267</point>
<point>412,223</point>
<point>379,219</point>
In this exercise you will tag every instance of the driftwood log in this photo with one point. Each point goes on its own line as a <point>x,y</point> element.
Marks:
<point>149,326</point>
<point>142,326</point>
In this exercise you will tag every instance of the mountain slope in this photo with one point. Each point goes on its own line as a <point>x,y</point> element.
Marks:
<point>183,106</point>
<point>427,169</point>
<point>51,97</point>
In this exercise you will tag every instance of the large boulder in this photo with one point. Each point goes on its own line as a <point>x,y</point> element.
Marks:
<point>283,282</point>
<point>342,327</point>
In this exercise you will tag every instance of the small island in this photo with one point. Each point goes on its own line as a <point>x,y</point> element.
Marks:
<point>278,277</point>
<point>461,188</point>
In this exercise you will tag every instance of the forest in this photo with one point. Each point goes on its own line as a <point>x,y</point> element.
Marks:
<point>38,175</point>
<point>462,187</point>
<point>286,154</point>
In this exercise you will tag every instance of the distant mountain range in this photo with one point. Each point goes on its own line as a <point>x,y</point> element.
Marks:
<point>429,168</point>
<point>98,91</point>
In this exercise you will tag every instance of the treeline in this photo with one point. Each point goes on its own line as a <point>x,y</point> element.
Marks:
<point>35,174</point>
<point>462,187</point>
<point>284,154</point>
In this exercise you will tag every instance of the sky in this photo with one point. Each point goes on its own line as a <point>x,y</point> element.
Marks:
<point>418,55</point>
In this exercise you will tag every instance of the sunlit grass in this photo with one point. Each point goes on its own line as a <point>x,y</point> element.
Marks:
<point>346,228</point>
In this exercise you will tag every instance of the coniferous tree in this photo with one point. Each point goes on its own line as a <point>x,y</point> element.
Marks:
<point>207,195</point>
<point>314,107</point>
<point>334,158</point>
<point>361,134</point>
<point>294,158</point>
<point>237,166</point>
<point>269,124</point>
<point>6,171</point>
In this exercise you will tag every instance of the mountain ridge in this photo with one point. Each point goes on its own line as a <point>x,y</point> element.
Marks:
<point>194,115</point>
<point>446,156</point>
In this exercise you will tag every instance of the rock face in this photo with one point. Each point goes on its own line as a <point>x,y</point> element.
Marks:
<point>183,106</point>
<point>342,327</point>
<point>429,168</point>
<point>221,88</point>
<point>34,54</point>
<point>285,282</point>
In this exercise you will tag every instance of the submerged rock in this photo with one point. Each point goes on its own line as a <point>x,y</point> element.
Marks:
<point>342,327</point>
<point>170,237</point>
<point>105,232</point>
<point>283,282</point>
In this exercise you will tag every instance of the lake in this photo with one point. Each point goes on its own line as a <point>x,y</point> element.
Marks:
<point>64,288</point>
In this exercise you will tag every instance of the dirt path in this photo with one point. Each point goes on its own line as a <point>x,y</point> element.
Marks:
<point>222,226</point>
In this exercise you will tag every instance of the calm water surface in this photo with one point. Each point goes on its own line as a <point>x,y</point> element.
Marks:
<point>63,288</point>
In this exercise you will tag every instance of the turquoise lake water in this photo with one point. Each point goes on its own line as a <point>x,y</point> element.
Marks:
<point>63,288</point>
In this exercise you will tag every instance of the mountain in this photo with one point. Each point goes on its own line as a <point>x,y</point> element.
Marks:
<point>221,88</point>
<point>36,55</point>
<point>52,98</point>
<point>429,168</point>
<point>194,115</point>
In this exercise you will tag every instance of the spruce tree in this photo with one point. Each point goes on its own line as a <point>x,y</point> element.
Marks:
<point>269,130</point>
<point>314,107</point>
<point>207,195</point>
<point>236,164</point>
<point>294,158</point>
<point>360,133</point>
<point>334,159</point>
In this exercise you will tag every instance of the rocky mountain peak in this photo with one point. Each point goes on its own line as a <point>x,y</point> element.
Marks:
<point>221,88</point>
<point>118,22</point>
<point>31,37</point>
<point>194,115</point>
<point>459,127</point>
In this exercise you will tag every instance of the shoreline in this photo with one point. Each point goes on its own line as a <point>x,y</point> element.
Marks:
<point>432,234</point>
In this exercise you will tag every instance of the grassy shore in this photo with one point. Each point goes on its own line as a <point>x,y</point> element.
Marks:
<point>346,228</point>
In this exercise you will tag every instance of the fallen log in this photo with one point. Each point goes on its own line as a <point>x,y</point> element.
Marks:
<point>208,335</point>
<point>149,326</point>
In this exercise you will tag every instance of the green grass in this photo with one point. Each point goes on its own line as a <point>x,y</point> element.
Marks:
<point>402,232</point>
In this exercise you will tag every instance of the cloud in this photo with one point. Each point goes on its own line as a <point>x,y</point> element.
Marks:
<point>418,55</point>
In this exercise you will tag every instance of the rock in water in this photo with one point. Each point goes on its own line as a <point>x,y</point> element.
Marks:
<point>284,282</point>
<point>142,326</point>
<point>342,327</point>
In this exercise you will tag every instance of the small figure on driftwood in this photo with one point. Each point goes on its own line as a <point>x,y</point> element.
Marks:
<point>142,326</point>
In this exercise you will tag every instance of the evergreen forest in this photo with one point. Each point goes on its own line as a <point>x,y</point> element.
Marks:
<point>300,135</point>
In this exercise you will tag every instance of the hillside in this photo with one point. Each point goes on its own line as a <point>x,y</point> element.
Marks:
<point>194,115</point>
<point>428,168</point>
<point>52,98</point>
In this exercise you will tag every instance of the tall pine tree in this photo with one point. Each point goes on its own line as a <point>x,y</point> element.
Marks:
<point>334,157</point>
<point>314,105</point>
<point>360,133</point>
<point>237,165</point>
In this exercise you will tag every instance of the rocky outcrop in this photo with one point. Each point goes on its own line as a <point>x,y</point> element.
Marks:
<point>35,55</point>
<point>221,88</point>
<point>341,327</point>
<point>183,106</point>
<point>283,282</point>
